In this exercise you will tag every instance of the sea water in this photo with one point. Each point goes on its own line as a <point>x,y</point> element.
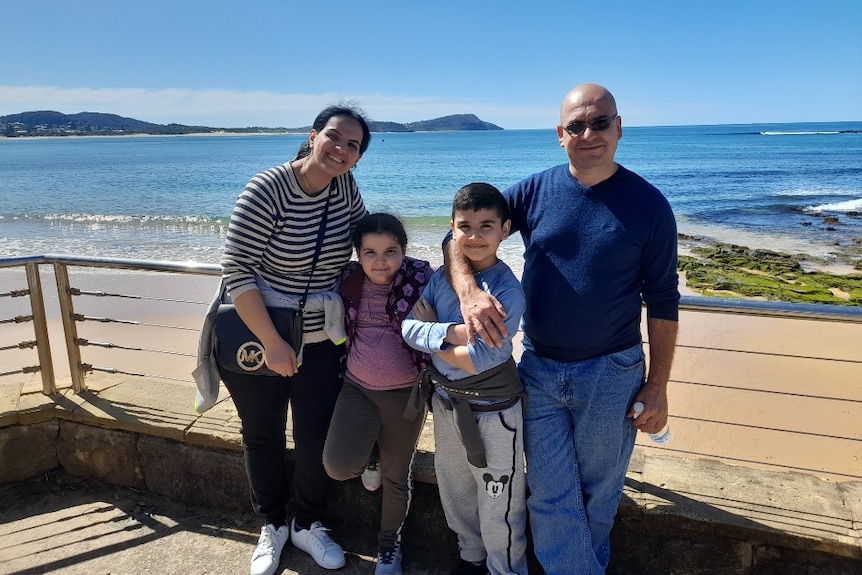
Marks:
<point>793,187</point>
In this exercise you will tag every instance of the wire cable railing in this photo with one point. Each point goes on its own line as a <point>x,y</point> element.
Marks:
<point>729,390</point>
<point>770,385</point>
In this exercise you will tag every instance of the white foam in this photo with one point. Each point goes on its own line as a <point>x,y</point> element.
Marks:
<point>814,191</point>
<point>848,206</point>
<point>797,133</point>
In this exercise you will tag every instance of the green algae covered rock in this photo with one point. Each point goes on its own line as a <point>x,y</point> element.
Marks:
<point>728,270</point>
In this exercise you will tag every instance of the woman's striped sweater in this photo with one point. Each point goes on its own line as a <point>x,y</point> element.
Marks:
<point>273,234</point>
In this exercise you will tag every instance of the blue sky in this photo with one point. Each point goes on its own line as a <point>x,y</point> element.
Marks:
<point>238,63</point>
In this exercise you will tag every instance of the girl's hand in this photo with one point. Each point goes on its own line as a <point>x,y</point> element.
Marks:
<point>423,311</point>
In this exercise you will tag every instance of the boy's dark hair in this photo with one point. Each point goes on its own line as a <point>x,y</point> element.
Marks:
<point>479,196</point>
<point>380,223</point>
<point>331,112</point>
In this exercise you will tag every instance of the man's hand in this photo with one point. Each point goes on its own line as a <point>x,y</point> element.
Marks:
<point>484,316</point>
<point>654,416</point>
<point>653,394</point>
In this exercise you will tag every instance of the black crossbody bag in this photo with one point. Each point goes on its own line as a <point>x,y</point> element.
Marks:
<point>237,349</point>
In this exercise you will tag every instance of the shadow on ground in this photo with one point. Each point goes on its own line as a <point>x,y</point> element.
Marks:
<point>58,523</point>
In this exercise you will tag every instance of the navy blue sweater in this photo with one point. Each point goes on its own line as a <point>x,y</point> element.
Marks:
<point>592,257</point>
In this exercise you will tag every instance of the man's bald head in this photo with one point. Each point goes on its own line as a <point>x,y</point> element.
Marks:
<point>589,131</point>
<point>584,94</point>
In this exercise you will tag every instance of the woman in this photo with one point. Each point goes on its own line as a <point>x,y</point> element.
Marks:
<point>268,258</point>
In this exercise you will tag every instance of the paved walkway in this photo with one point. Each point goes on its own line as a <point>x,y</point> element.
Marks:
<point>69,525</point>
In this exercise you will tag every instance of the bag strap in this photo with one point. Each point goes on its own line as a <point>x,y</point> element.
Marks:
<point>320,233</point>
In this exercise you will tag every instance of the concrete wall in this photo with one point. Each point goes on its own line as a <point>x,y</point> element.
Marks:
<point>678,515</point>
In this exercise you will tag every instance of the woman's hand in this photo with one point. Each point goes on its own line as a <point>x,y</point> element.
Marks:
<point>281,358</point>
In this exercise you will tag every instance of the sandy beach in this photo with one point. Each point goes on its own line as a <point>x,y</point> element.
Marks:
<point>777,393</point>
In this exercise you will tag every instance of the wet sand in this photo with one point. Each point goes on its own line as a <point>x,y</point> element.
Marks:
<point>775,393</point>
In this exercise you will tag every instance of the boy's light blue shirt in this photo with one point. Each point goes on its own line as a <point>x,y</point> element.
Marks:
<point>499,281</point>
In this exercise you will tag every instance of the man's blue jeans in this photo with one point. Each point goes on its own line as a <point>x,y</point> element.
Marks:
<point>578,444</point>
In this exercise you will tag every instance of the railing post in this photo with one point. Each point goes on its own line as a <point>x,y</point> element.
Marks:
<point>70,329</point>
<point>40,327</point>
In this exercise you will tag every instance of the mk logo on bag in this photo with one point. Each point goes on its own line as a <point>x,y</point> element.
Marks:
<point>250,356</point>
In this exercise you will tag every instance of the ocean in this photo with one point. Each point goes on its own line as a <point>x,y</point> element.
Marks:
<point>788,187</point>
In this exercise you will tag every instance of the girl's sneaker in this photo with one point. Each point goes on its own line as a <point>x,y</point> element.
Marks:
<point>388,561</point>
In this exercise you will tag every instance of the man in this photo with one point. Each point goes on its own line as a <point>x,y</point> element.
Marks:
<point>599,241</point>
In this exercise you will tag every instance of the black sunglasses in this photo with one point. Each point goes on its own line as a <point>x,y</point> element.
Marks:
<point>597,125</point>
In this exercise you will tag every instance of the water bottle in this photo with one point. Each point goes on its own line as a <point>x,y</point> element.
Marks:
<point>661,436</point>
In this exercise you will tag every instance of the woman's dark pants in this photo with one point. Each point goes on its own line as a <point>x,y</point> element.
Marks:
<point>262,404</point>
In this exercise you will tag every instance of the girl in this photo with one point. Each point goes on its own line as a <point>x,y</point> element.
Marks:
<point>380,370</point>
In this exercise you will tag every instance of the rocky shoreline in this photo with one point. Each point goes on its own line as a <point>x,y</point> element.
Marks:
<point>719,269</point>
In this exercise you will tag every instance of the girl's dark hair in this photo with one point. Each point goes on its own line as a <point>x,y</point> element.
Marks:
<point>380,223</point>
<point>331,112</point>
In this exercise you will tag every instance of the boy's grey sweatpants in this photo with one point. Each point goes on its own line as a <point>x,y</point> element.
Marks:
<point>485,507</point>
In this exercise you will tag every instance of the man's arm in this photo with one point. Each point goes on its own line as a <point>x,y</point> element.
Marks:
<point>662,343</point>
<point>482,313</point>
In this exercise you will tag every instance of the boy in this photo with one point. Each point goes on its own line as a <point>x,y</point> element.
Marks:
<point>479,453</point>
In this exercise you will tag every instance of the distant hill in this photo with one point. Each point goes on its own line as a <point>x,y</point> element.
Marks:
<point>50,123</point>
<point>446,123</point>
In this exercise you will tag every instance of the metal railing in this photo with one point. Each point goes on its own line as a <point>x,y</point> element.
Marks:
<point>37,316</point>
<point>736,375</point>
<point>61,265</point>
<point>768,384</point>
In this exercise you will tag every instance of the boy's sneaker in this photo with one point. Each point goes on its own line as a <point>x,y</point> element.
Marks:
<point>314,541</point>
<point>388,561</point>
<point>267,554</point>
<point>371,476</point>
<point>470,568</point>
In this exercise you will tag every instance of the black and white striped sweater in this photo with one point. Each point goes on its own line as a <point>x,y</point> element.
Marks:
<point>273,233</point>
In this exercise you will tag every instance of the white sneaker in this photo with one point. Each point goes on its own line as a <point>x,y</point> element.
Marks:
<point>267,554</point>
<point>315,541</point>
<point>388,561</point>
<point>371,478</point>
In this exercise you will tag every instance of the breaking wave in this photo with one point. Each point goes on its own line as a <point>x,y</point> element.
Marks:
<point>848,206</point>
<point>799,133</point>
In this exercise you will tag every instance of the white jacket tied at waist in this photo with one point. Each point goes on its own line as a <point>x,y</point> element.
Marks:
<point>206,374</point>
